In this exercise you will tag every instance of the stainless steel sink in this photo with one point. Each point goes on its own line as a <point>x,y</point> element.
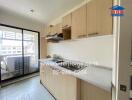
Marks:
<point>71,66</point>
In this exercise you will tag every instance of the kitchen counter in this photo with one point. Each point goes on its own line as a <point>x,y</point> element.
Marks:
<point>96,75</point>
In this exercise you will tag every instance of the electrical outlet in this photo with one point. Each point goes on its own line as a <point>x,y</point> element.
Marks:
<point>123,88</point>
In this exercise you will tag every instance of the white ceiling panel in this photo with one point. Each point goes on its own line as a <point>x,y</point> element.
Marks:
<point>44,10</point>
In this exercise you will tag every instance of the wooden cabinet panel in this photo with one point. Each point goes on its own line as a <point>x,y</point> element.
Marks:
<point>43,47</point>
<point>79,22</point>
<point>63,87</point>
<point>104,18</point>
<point>99,19</point>
<point>59,28</point>
<point>91,18</point>
<point>50,30</point>
<point>66,87</point>
<point>67,20</point>
<point>54,29</point>
<point>91,92</point>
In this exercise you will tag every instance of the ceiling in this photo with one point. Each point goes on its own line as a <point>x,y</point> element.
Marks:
<point>44,10</point>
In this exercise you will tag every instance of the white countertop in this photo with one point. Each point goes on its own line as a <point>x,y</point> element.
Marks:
<point>98,76</point>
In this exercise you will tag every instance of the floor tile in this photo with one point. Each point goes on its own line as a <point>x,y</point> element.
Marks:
<point>29,89</point>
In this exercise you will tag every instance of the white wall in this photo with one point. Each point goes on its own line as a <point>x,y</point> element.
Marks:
<point>123,68</point>
<point>91,50</point>
<point>10,18</point>
<point>59,19</point>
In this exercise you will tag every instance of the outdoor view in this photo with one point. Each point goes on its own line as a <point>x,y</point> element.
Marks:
<point>18,54</point>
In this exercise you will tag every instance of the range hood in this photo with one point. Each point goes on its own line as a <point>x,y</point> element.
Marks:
<point>55,38</point>
<point>65,35</point>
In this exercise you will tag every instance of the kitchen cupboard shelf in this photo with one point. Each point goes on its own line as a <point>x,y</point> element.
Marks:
<point>92,19</point>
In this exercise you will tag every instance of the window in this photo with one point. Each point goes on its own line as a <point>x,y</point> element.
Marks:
<point>18,46</point>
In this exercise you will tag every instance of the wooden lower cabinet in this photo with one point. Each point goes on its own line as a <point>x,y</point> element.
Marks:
<point>91,92</point>
<point>61,86</point>
<point>66,87</point>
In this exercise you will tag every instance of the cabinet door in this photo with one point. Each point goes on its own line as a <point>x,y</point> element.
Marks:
<point>41,73</point>
<point>104,18</point>
<point>52,29</point>
<point>63,87</point>
<point>79,22</point>
<point>46,75</point>
<point>66,87</point>
<point>92,18</point>
<point>67,20</point>
<point>91,92</point>
<point>59,28</point>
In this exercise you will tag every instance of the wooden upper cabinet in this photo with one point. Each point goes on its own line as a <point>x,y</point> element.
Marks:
<point>67,20</point>
<point>59,28</point>
<point>99,19</point>
<point>79,22</point>
<point>52,30</point>
<point>92,18</point>
<point>104,18</point>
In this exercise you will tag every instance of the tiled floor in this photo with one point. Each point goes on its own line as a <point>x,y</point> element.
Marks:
<point>29,89</point>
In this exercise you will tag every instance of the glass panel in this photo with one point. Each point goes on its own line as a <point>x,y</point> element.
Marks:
<point>10,52</point>
<point>30,51</point>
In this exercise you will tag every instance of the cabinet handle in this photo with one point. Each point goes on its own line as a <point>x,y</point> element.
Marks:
<point>93,34</point>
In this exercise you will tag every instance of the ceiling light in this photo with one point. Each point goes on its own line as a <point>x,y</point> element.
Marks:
<point>32,10</point>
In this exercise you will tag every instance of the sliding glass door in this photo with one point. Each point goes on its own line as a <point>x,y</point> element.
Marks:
<point>10,52</point>
<point>19,52</point>
<point>30,42</point>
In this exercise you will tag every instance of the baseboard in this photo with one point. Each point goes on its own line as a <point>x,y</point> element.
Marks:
<point>18,79</point>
